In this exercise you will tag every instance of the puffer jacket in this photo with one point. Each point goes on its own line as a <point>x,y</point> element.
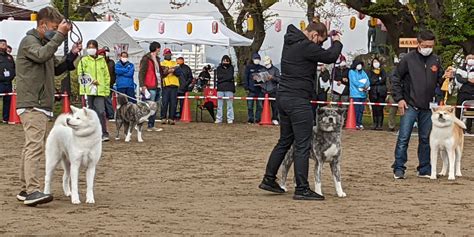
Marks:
<point>358,81</point>
<point>124,74</point>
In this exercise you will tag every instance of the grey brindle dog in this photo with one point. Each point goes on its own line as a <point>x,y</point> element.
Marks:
<point>130,116</point>
<point>326,147</point>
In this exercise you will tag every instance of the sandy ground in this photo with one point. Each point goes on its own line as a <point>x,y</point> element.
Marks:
<point>201,179</point>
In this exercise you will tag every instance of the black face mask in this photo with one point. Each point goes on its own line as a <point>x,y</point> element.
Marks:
<point>168,57</point>
<point>49,34</point>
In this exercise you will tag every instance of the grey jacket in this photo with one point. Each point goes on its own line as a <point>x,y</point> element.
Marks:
<point>36,68</point>
<point>272,85</point>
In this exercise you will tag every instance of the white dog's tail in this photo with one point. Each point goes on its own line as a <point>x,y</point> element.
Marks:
<point>61,120</point>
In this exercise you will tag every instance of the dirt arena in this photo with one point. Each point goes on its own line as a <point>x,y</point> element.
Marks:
<point>201,179</point>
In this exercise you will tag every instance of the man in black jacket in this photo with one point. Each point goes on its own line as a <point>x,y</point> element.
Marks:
<point>7,68</point>
<point>185,80</point>
<point>109,110</point>
<point>301,52</point>
<point>413,88</point>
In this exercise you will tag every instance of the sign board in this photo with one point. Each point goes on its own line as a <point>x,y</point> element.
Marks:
<point>408,43</point>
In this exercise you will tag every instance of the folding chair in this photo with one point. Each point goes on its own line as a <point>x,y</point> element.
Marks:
<point>467,113</point>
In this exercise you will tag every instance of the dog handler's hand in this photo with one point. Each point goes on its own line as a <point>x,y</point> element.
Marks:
<point>402,105</point>
<point>64,27</point>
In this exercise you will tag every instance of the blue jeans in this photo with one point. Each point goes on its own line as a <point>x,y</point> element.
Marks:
<point>155,95</point>
<point>359,109</point>
<point>254,117</point>
<point>423,117</point>
<point>220,106</point>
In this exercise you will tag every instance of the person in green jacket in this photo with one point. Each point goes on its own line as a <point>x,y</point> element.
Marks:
<point>94,82</point>
<point>35,70</point>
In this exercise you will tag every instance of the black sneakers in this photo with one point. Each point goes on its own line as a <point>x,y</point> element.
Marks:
<point>307,194</point>
<point>37,198</point>
<point>21,196</point>
<point>271,186</point>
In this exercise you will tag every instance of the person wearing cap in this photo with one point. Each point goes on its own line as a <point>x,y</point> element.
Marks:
<point>9,49</point>
<point>171,74</point>
<point>302,50</point>
<point>149,79</point>
<point>7,74</point>
<point>109,110</point>
<point>254,89</point>
<point>271,86</point>
<point>185,81</point>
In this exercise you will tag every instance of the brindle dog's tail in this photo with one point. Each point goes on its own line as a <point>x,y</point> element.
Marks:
<point>122,100</point>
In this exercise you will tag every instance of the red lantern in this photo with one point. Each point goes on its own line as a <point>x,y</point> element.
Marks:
<point>161,27</point>
<point>278,25</point>
<point>361,16</point>
<point>215,27</point>
<point>108,17</point>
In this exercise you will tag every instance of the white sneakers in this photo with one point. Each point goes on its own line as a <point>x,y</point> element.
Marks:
<point>275,122</point>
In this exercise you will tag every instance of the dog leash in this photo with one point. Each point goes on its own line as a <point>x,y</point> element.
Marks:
<point>129,97</point>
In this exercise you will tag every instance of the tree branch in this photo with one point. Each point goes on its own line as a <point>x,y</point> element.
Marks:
<point>228,19</point>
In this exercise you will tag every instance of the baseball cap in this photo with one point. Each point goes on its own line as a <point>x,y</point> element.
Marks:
<point>267,60</point>
<point>167,51</point>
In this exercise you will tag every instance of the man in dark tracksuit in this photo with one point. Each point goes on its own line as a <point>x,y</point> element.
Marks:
<point>301,52</point>
<point>185,80</point>
<point>254,89</point>
<point>413,88</point>
<point>7,73</point>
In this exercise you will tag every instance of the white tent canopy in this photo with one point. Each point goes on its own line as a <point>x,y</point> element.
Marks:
<point>175,31</point>
<point>108,34</point>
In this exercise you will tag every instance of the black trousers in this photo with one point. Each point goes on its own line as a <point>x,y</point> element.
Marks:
<point>461,98</point>
<point>170,100</point>
<point>296,126</point>
<point>377,110</point>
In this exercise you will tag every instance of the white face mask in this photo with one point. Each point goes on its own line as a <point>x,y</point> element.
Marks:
<point>359,67</point>
<point>470,62</point>
<point>343,64</point>
<point>256,61</point>
<point>376,65</point>
<point>124,60</point>
<point>268,66</point>
<point>107,54</point>
<point>91,52</point>
<point>425,51</point>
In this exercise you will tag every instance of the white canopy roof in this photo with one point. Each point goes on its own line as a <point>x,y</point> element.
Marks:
<point>175,31</point>
<point>108,34</point>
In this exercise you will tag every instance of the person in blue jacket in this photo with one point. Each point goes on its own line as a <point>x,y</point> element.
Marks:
<point>124,71</point>
<point>359,86</point>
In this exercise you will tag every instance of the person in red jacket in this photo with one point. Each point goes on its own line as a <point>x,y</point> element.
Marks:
<point>149,78</point>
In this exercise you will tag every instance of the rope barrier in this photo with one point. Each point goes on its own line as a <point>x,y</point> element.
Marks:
<point>261,98</point>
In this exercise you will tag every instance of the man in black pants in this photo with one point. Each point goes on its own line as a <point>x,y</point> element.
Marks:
<point>301,53</point>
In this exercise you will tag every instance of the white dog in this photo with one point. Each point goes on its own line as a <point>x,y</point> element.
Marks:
<point>447,139</point>
<point>75,140</point>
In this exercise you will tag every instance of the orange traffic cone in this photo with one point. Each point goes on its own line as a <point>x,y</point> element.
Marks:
<point>13,117</point>
<point>351,117</point>
<point>266,114</point>
<point>114,101</point>
<point>186,110</point>
<point>66,104</point>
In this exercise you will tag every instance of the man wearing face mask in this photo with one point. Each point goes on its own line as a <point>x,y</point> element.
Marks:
<point>7,74</point>
<point>254,89</point>
<point>271,86</point>
<point>341,77</point>
<point>35,71</point>
<point>413,88</point>
<point>94,77</point>
<point>125,71</point>
<point>302,50</point>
